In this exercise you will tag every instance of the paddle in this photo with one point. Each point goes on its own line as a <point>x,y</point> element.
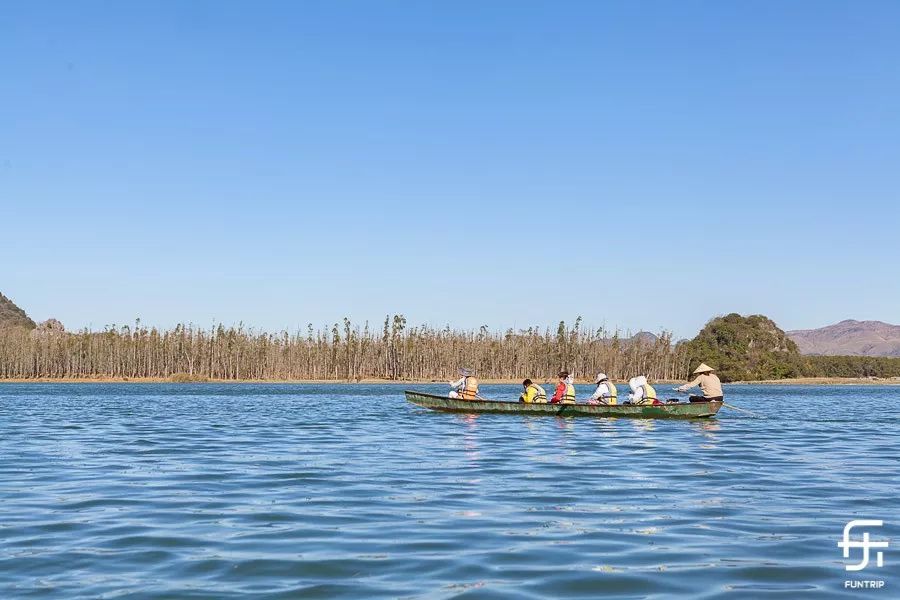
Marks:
<point>731,406</point>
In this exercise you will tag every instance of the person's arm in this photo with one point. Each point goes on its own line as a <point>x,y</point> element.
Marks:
<point>688,386</point>
<point>598,393</point>
<point>456,385</point>
<point>637,395</point>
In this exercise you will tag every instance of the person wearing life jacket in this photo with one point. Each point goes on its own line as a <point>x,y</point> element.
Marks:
<point>565,390</point>
<point>533,394</point>
<point>709,384</point>
<point>606,392</point>
<point>466,387</point>
<point>641,391</point>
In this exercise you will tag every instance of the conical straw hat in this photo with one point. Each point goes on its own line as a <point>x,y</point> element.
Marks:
<point>703,368</point>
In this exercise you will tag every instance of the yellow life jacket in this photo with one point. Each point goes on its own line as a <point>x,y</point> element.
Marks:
<point>569,396</point>
<point>539,396</point>
<point>649,394</point>
<point>613,393</point>
<point>469,390</point>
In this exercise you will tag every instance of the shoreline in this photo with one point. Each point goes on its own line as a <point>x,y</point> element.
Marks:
<point>822,381</point>
<point>371,381</point>
<point>364,381</point>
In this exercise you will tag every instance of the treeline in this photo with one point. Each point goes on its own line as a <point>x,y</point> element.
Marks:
<point>344,351</point>
<point>851,366</point>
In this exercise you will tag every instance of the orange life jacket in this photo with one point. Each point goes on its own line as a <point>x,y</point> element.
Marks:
<point>469,390</point>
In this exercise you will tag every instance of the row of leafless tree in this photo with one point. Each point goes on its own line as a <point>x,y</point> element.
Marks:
<point>343,352</point>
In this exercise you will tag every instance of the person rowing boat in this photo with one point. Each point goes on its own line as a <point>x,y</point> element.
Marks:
<point>709,384</point>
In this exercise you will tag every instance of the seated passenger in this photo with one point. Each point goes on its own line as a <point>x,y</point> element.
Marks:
<point>565,391</point>
<point>606,392</point>
<point>641,391</point>
<point>533,394</point>
<point>466,388</point>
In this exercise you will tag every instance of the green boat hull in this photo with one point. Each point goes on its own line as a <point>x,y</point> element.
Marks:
<point>680,410</point>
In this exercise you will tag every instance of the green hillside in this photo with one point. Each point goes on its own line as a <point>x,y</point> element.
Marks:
<point>746,349</point>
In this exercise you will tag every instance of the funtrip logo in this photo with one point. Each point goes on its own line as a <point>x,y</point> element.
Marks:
<point>865,544</point>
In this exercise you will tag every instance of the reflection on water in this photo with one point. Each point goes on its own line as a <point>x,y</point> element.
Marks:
<point>222,491</point>
<point>470,438</point>
<point>607,428</point>
<point>708,430</point>
<point>565,423</point>
<point>641,425</point>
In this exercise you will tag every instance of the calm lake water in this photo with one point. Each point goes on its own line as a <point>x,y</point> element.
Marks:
<point>285,491</point>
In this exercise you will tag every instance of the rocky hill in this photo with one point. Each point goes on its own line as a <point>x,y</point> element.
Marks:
<point>745,349</point>
<point>13,316</point>
<point>854,338</point>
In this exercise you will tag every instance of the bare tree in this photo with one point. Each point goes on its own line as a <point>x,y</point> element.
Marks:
<point>340,352</point>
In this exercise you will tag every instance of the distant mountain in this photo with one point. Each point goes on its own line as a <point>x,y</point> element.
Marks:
<point>857,338</point>
<point>645,337</point>
<point>13,316</point>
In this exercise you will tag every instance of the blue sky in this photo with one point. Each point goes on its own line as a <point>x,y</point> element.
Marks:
<point>642,164</point>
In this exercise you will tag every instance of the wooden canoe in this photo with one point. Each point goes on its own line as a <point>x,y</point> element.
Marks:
<point>680,410</point>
